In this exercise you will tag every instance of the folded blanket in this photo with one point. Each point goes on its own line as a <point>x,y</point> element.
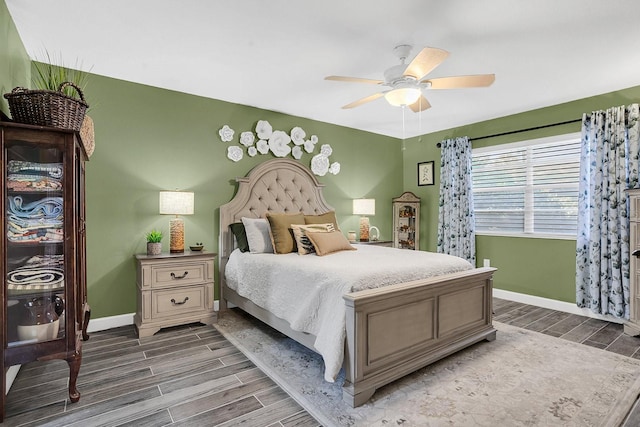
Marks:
<point>52,170</point>
<point>40,272</point>
<point>48,207</point>
<point>21,182</point>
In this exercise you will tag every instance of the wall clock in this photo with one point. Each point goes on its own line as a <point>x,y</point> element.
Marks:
<point>425,173</point>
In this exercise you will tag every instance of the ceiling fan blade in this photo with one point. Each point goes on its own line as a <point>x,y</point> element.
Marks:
<point>364,100</point>
<point>428,59</point>
<point>479,80</point>
<point>420,105</point>
<point>353,80</point>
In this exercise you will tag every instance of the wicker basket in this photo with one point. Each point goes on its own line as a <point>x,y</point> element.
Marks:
<point>47,107</point>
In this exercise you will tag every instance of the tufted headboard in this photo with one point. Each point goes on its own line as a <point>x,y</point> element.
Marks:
<point>278,185</point>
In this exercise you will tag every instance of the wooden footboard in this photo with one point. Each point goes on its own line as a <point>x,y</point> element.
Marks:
<point>395,330</point>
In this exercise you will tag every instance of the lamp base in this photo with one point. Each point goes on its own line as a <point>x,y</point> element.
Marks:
<point>364,229</point>
<point>176,227</point>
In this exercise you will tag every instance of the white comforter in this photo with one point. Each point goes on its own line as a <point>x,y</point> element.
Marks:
<point>307,290</point>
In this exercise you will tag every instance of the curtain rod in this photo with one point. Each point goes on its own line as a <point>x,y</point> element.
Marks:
<point>521,130</point>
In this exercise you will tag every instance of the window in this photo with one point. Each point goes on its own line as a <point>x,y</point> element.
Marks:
<point>528,188</point>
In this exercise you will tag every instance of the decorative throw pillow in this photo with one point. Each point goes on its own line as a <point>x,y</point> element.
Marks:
<point>327,243</point>
<point>302,241</point>
<point>281,235</point>
<point>322,219</point>
<point>240,234</point>
<point>258,238</point>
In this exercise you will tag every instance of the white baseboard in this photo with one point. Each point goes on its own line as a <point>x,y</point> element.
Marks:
<point>104,323</point>
<point>552,304</point>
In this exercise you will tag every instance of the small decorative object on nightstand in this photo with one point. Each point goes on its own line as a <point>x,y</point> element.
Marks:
<point>174,289</point>
<point>198,247</point>
<point>154,242</point>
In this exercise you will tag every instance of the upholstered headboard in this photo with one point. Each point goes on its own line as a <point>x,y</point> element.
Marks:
<point>278,185</point>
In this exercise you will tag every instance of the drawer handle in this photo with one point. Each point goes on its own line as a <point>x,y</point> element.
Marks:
<point>173,275</point>
<point>173,301</point>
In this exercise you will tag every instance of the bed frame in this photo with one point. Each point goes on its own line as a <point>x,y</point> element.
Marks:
<point>391,331</point>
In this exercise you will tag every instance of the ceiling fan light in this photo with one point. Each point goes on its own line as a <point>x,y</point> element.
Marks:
<point>402,96</point>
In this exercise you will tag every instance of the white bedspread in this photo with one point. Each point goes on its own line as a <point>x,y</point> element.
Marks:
<point>307,290</point>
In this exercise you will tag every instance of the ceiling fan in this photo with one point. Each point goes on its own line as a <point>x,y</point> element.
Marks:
<point>408,81</point>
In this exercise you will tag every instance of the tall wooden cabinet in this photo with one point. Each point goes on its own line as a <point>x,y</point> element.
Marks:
<point>44,310</point>
<point>632,327</point>
<point>406,221</point>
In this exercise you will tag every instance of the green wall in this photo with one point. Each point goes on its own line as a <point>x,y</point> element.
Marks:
<point>150,139</point>
<point>540,267</point>
<point>15,66</point>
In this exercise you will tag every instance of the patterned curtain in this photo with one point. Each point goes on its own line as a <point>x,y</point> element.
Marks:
<point>456,224</point>
<point>608,166</point>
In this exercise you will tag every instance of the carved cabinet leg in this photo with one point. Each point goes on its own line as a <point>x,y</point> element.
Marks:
<point>74,369</point>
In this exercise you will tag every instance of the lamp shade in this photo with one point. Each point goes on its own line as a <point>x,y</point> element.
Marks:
<point>364,206</point>
<point>402,96</point>
<point>176,202</point>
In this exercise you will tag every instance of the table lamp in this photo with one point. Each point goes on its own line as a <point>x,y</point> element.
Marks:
<point>176,203</point>
<point>364,207</point>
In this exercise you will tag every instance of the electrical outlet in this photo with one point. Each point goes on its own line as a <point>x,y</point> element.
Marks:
<point>486,263</point>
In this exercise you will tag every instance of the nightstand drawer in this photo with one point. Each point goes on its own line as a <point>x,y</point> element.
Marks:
<point>178,274</point>
<point>173,302</point>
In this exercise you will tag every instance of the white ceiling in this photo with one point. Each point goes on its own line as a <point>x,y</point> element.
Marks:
<point>275,54</point>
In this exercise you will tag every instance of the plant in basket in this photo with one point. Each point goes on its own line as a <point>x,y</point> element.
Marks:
<point>57,101</point>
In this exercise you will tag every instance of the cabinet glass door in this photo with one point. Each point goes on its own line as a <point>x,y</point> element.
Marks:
<point>35,258</point>
<point>406,227</point>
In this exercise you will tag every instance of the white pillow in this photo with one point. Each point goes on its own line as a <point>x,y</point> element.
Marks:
<point>258,237</point>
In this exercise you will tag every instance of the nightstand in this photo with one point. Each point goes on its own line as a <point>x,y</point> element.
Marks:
<point>387,243</point>
<point>174,289</point>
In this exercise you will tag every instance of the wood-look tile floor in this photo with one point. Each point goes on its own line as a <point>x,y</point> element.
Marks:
<point>192,376</point>
<point>572,327</point>
<point>184,376</point>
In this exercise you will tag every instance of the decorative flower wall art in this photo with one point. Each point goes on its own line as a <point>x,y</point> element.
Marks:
<point>226,133</point>
<point>278,142</point>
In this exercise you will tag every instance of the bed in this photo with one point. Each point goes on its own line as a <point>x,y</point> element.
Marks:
<point>389,331</point>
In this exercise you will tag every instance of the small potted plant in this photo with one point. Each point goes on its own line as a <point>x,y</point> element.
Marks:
<point>154,242</point>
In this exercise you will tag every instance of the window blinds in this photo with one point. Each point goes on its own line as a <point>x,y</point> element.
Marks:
<point>527,188</point>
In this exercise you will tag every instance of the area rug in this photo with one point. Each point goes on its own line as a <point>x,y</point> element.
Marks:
<point>523,378</point>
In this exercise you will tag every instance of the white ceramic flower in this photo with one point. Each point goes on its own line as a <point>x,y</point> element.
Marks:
<point>279,144</point>
<point>234,153</point>
<point>298,135</point>
<point>247,138</point>
<point>296,152</point>
<point>326,150</point>
<point>263,146</point>
<point>252,151</point>
<point>334,168</point>
<point>309,146</point>
<point>226,133</point>
<point>314,139</point>
<point>264,129</point>
<point>320,164</point>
